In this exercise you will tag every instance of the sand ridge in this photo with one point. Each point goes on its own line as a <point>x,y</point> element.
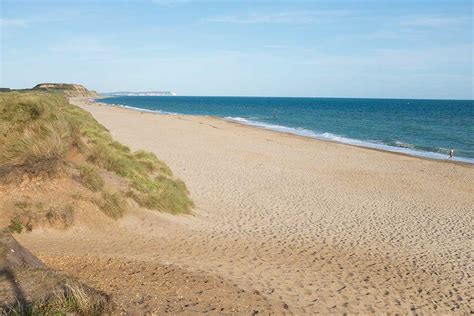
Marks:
<point>314,225</point>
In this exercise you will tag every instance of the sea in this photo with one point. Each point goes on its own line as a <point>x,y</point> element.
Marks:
<point>425,128</point>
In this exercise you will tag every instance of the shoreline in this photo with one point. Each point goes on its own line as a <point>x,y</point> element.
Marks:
<point>461,163</point>
<point>395,152</point>
<point>312,226</point>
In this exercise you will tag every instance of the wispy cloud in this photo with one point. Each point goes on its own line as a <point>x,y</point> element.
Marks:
<point>281,17</point>
<point>81,45</point>
<point>434,21</point>
<point>25,22</point>
<point>275,46</point>
<point>392,60</point>
<point>170,3</point>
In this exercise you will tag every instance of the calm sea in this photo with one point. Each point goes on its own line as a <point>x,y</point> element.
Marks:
<point>428,128</point>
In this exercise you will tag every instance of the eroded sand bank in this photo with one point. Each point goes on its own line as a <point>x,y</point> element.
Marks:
<point>312,225</point>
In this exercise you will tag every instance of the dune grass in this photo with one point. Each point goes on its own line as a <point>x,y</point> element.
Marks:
<point>112,204</point>
<point>91,177</point>
<point>31,133</point>
<point>69,298</point>
<point>38,130</point>
<point>15,226</point>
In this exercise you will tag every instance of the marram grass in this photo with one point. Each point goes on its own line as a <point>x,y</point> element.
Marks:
<point>91,177</point>
<point>38,131</point>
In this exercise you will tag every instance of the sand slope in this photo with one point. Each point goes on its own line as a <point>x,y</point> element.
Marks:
<point>314,226</point>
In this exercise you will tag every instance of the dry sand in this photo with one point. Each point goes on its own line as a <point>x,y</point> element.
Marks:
<point>312,226</point>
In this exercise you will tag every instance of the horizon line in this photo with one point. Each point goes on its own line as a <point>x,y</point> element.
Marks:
<point>271,96</point>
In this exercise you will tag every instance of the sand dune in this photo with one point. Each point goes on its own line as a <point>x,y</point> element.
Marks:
<point>312,226</point>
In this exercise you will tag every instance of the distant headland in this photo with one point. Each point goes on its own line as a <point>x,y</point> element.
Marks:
<point>69,90</point>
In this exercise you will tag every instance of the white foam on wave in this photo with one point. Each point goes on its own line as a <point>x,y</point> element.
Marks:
<point>404,145</point>
<point>404,149</point>
<point>142,110</point>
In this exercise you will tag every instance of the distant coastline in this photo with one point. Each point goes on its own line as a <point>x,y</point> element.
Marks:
<point>141,94</point>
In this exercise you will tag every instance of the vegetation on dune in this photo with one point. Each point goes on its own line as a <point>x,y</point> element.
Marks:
<point>27,215</point>
<point>67,298</point>
<point>32,131</point>
<point>91,178</point>
<point>69,90</point>
<point>56,86</point>
<point>28,287</point>
<point>39,131</point>
<point>112,204</point>
<point>42,135</point>
<point>15,226</point>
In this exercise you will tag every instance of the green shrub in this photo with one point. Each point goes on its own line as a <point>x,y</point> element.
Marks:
<point>15,226</point>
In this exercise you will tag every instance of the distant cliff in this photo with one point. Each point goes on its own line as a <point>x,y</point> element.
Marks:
<point>146,93</point>
<point>70,90</point>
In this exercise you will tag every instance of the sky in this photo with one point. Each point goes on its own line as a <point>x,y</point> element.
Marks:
<point>358,48</point>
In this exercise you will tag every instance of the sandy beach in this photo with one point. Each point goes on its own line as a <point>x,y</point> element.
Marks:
<point>309,226</point>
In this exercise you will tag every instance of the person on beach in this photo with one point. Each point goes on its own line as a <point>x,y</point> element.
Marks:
<point>451,153</point>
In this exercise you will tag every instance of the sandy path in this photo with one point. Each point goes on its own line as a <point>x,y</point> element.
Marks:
<point>321,227</point>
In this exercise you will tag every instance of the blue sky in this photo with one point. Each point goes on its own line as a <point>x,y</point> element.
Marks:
<point>412,49</point>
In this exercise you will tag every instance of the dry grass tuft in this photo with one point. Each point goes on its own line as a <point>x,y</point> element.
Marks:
<point>91,178</point>
<point>66,299</point>
<point>15,226</point>
<point>32,131</point>
<point>112,204</point>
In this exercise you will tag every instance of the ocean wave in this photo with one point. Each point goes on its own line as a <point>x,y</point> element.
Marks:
<point>399,147</point>
<point>142,109</point>
<point>404,145</point>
